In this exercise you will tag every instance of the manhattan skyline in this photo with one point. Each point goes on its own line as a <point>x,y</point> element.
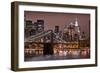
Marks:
<point>60,19</point>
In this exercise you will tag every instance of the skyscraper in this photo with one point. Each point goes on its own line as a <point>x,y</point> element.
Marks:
<point>77,28</point>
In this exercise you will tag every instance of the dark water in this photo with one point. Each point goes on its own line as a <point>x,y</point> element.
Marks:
<point>52,57</point>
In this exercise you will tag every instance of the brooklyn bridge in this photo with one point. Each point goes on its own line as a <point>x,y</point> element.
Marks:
<point>53,44</point>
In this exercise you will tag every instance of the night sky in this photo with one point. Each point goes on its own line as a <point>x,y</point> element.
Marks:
<point>60,19</point>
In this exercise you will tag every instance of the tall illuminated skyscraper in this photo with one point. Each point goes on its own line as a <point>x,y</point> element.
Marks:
<point>77,28</point>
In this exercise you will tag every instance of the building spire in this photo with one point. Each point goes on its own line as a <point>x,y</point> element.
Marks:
<point>76,22</point>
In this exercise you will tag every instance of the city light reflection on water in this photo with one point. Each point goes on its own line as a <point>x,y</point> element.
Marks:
<point>37,55</point>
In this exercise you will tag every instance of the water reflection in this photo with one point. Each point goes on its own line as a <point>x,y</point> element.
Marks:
<point>37,55</point>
